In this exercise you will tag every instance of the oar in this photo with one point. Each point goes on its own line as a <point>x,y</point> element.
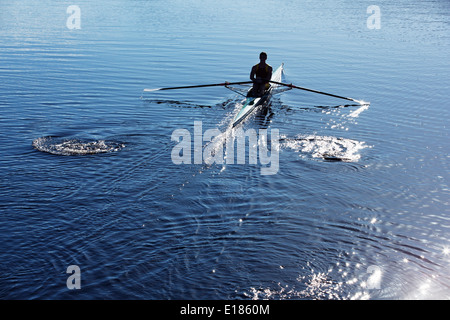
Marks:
<point>198,86</point>
<point>320,92</point>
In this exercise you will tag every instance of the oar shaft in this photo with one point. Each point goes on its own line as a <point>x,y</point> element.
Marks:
<point>315,91</point>
<point>199,86</point>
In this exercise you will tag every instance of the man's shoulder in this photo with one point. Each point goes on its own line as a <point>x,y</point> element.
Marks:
<point>266,66</point>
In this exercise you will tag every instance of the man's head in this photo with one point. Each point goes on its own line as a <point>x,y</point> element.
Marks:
<point>263,56</point>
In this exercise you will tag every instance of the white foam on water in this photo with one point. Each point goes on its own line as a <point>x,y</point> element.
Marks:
<point>325,147</point>
<point>66,147</point>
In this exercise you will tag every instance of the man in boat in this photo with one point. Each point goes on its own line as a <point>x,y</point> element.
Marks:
<point>260,75</point>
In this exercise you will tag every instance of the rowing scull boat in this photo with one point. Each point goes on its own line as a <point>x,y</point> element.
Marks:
<point>251,103</point>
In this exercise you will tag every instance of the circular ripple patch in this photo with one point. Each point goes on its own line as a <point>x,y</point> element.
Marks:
<point>68,147</point>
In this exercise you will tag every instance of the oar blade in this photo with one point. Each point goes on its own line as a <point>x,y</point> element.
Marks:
<point>153,90</point>
<point>362,102</point>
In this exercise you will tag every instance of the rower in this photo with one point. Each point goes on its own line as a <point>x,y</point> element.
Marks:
<point>260,75</point>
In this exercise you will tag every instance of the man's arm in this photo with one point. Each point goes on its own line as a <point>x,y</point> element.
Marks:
<point>252,74</point>
<point>269,74</point>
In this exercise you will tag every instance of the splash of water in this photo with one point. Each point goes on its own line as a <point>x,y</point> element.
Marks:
<point>325,147</point>
<point>357,112</point>
<point>66,147</point>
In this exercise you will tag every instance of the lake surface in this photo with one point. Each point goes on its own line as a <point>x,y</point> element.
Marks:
<point>357,208</point>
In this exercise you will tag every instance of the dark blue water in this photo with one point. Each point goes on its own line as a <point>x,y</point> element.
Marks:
<point>359,205</point>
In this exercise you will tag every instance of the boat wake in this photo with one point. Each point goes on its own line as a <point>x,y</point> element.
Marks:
<point>69,147</point>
